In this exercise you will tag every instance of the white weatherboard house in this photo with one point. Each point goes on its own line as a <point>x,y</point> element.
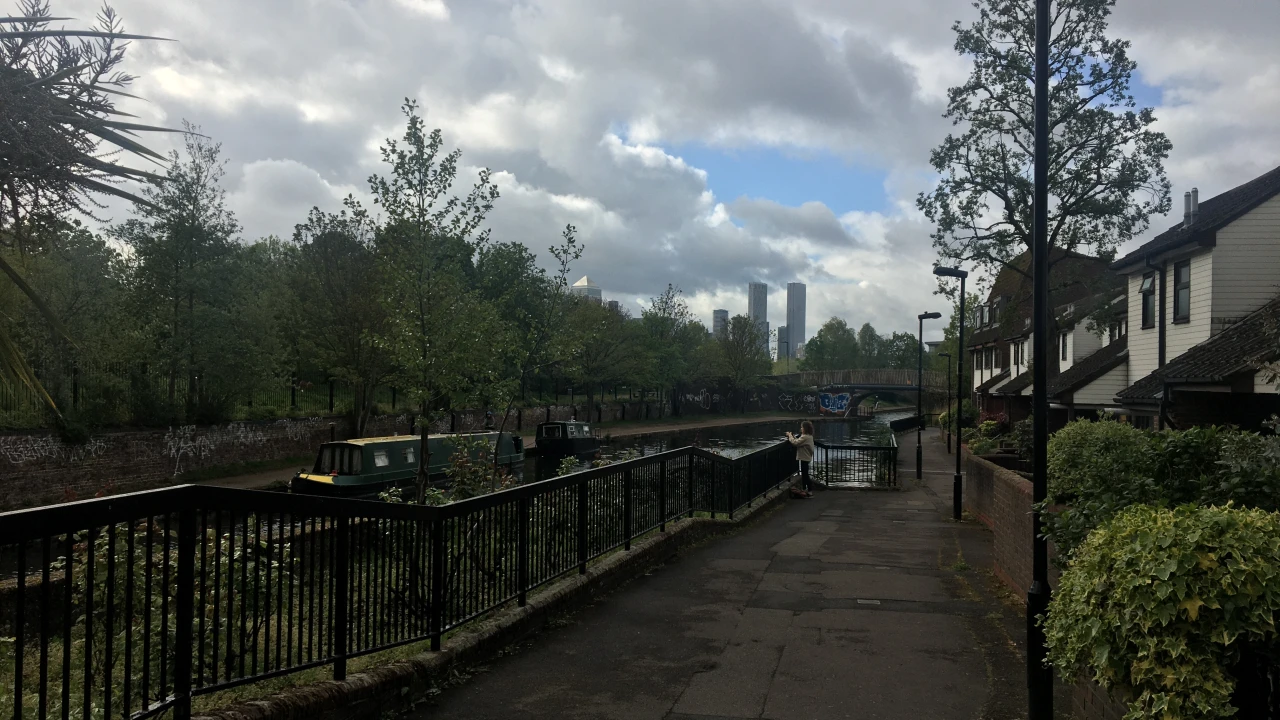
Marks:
<point>1201,296</point>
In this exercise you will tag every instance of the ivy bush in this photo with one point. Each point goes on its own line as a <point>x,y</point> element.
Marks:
<point>1096,469</point>
<point>1165,602</point>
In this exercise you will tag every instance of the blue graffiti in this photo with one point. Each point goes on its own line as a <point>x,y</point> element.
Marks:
<point>834,402</point>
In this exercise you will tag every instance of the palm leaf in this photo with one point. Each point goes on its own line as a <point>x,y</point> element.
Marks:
<point>58,76</point>
<point>24,34</point>
<point>119,140</point>
<point>107,189</point>
<point>35,298</point>
<point>30,19</point>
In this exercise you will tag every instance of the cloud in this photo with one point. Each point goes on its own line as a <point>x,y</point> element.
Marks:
<point>572,101</point>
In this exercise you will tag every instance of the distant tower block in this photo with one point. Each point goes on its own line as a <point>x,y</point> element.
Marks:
<point>719,321</point>
<point>587,289</point>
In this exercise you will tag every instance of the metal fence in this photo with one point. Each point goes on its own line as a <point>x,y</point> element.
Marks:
<point>849,465</point>
<point>129,606</point>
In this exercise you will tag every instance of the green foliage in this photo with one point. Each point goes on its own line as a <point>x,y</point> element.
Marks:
<point>833,347</point>
<point>567,465</point>
<point>1163,601</point>
<point>968,416</point>
<point>990,429</point>
<point>1100,198</point>
<point>1098,469</point>
<point>983,446</point>
<point>1022,436</point>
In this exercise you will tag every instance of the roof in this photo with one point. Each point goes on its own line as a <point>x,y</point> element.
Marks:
<point>992,382</point>
<point>1238,349</point>
<point>1215,213</point>
<point>1016,385</point>
<point>585,282</point>
<point>1072,278</point>
<point>1090,368</point>
<point>402,438</point>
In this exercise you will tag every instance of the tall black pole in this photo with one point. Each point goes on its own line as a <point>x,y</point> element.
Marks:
<point>919,397</point>
<point>1039,676</point>
<point>951,417</point>
<point>956,509</point>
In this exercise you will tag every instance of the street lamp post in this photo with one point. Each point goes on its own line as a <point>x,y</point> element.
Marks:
<point>950,415</point>
<point>955,483</point>
<point>1039,675</point>
<point>920,391</point>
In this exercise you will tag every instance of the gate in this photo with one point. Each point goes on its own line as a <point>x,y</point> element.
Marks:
<point>845,465</point>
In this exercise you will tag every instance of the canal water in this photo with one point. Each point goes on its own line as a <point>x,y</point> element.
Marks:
<point>729,440</point>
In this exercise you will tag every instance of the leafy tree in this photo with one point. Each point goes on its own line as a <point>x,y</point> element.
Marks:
<point>901,351</point>
<point>340,310</point>
<point>56,108</point>
<point>833,347</point>
<point>870,347</point>
<point>740,358</point>
<point>443,338</point>
<point>181,247</point>
<point>1106,174</point>
<point>673,336</point>
<point>608,347</point>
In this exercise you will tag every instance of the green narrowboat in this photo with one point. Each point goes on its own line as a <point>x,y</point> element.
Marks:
<point>566,438</point>
<point>365,466</point>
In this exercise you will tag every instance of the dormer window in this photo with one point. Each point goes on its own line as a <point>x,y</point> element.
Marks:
<point>1148,292</point>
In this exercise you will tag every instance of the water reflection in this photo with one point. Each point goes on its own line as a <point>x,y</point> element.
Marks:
<point>729,440</point>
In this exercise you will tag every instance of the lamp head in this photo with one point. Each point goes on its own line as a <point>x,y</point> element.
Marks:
<point>929,316</point>
<point>945,355</point>
<point>950,272</point>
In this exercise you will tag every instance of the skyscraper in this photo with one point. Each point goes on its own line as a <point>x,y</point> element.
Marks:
<point>587,289</point>
<point>784,349</point>
<point>758,309</point>
<point>719,321</point>
<point>795,317</point>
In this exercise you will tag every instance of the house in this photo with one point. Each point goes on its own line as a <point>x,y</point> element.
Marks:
<point>1000,346</point>
<point>1188,289</point>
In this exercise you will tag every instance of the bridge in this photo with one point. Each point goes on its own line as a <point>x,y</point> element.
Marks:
<point>871,380</point>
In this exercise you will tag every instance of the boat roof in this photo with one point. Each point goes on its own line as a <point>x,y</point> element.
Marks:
<point>394,438</point>
<point>565,422</point>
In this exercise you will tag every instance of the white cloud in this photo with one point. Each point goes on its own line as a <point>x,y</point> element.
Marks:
<point>434,9</point>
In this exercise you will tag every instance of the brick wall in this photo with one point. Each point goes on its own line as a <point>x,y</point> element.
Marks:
<point>1001,500</point>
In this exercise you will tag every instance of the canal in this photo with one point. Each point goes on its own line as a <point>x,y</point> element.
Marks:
<point>729,440</point>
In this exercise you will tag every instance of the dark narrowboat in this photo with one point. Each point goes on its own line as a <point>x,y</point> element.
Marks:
<point>566,438</point>
<point>365,466</point>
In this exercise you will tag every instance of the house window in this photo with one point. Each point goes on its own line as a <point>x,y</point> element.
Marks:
<point>1182,291</point>
<point>1062,345</point>
<point>1017,353</point>
<point>990,357</point>
<point>1148,291</point>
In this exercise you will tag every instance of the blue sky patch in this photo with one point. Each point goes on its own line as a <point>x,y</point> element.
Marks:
<point>788,177</point>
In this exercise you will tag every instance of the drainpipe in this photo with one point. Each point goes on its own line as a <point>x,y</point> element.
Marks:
<point>1161,327</point>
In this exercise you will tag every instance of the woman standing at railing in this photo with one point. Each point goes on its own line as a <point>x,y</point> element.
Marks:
<point>804,453</point>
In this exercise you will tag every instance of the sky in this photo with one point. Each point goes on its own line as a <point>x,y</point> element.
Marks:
<point>702,143</point>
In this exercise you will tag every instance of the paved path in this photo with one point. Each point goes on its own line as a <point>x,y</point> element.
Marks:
<point>850,605</point>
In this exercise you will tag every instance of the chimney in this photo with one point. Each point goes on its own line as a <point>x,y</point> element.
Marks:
<point>1186,210</point>
<point>1195,205</point>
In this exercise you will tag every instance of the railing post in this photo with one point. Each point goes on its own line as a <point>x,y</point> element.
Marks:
<point>689,489</point>
<point>662,496</point>
<point>341,599</point>
<point>437,582</point>
<point>626,508</point>
<point>715,475</point>
<point>185,598</point>
<point>522,550</point>
<point>734,474</point>
<point>582,527</point>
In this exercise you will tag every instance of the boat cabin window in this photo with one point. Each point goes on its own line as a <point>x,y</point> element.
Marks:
<point>408,455</point>
<point>586,431</point>
<point>573,430</point>
<point>551,431</point>
<point>381,458</point>
<point>339,459</point>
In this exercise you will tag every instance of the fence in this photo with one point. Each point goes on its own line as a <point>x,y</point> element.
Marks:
<point>848,465</point>
<point>129,606</point>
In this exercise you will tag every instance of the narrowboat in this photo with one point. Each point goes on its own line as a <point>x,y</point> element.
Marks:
<point>365,466</point>
<point>565,438</point>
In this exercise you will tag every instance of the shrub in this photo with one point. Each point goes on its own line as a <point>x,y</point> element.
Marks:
<point>983,446</point>
<point>968,415</point>
<point>990,429</point>
<point>1022,437</point>
<point>1165,602</point>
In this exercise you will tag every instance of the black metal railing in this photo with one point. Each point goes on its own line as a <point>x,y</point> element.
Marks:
<point>129,606</point>
<point>848,465</point>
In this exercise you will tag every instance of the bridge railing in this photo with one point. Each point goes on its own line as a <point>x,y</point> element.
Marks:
<point>130,606</point>
<point>887,378</point>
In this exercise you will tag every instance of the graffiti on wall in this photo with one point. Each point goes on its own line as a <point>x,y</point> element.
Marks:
<point>834,403</point>
<point>22,449</point>
<point>807,402</point>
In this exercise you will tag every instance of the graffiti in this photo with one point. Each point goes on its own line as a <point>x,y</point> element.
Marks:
<point>798,403</point>
<point>188,442</point>
<point>702,399</point>
<point>21,449</point>
<point>835,403</point>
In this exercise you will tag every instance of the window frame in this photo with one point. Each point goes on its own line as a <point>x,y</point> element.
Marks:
<point>1062,346</point>
<point>1181,314</point>
<point>1148,301</point>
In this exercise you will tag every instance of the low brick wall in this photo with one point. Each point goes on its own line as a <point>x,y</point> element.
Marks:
<point>398,687</point>
<point>1001,500</point>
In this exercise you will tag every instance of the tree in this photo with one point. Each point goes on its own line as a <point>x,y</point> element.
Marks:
<point>443,337</point>
<point>1106,174</point>
<point>901,351</point>
<point>182,244</point>
<point>608,347</point>
<point>340,310</point>
<point>56,103</point>
<point>833,347</point>
<point>673,337</point>
<point>741,358</point>
<point>870,347</point>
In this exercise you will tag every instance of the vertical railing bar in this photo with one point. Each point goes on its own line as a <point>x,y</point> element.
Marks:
<point>164,613</point>
<point>437,582</point>
<point>627,509</point>
<point>244,590</point>
<point>68,576</point>
<point>310,654</point>
<point>89,586</point>
<point>582,527</point>
<point>45,604</point>
<point>204,596</point>
<point>265,623</point>
<point>340,598</point>
<point>662,495</point>
<point>255,641</point>
<point>217,593</point>
<point>127,696</point>
<point>19,629</point>
<point>277,550</point>
<point>295,568</point>
<point>185,599</point>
